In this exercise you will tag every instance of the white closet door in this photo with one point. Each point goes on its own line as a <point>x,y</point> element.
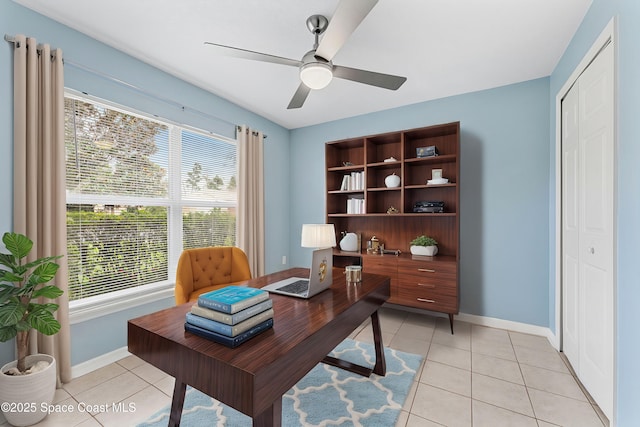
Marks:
<point>570,228</point>
<point>588,239</point>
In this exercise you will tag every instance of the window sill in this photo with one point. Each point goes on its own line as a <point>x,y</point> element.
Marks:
<point>102,305</point>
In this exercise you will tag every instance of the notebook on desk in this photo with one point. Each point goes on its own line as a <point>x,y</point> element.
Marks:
<point>320,278</point>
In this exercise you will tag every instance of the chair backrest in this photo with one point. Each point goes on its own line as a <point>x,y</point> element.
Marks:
<point>209,267</point>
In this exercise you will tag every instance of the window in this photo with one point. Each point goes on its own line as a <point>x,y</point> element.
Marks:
<point>139,190</point>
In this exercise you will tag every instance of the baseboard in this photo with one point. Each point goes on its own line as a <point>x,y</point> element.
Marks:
<point>509,325</point>
<point>99,362</point>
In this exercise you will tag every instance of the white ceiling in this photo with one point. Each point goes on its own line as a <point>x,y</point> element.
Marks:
<point>443,47</point>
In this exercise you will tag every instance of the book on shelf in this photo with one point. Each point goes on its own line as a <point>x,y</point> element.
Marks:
<point>355,206</point>
<point>352,182</point>
<point>345,183</point>
<point>232,319</point>
<point>229,341</point>
<point>232,299</point>
<point>357,181</point>
<point>228,330</point>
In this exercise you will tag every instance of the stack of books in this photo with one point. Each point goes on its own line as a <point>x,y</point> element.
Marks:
<point>231,315</point>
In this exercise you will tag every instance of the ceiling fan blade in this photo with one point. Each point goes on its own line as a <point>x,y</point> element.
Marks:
<point>299,97</point>
<point>386,81</point>
<point>236,52</point>
<point>348,15</point>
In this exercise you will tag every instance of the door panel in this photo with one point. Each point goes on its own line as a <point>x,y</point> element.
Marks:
<point>588,228</point>
<point>570,228</point>
<point>596,240</point>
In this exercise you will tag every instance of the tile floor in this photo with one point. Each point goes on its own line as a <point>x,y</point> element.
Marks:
<point>478,377</point>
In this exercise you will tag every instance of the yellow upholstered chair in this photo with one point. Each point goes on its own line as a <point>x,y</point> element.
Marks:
<point>202,270</point>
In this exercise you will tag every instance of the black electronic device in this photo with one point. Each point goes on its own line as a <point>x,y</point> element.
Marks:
<point>428,206</point>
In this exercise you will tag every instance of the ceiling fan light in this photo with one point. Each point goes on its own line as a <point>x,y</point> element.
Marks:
<point>316,75</point>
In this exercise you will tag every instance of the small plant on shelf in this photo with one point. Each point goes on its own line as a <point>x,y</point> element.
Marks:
<point>424,245</point>
<point>424,241</point>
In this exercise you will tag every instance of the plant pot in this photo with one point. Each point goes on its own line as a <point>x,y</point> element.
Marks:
<point>25,394</point>
<point>424,250</point>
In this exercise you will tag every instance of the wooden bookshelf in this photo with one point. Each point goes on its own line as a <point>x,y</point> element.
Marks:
<point>437,289</point>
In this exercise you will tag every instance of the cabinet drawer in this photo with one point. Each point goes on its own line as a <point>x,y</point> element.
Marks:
<point>431,285</point>
<point>427,272</point>
<point>380,265</point>
<point>442,298</point>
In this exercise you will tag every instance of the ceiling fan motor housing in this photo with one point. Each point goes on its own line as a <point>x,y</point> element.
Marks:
<point>317,24</point>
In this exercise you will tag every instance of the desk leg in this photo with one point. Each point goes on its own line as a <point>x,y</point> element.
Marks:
<point>271,417</point>
<point>177,402</point>
<point>380,367</point>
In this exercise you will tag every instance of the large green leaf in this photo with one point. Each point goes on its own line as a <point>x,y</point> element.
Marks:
<point>9,276</point>
<point>11,313</point>
<point>18,244</point>
<point>50,292</point>
<point>43,260</point>
<point>44,322</point>
<point>43,273</point>
<point>7,260</point>
<point>7,291</point>
<point>7,333</point>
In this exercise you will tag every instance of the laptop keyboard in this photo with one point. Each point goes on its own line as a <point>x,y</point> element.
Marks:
<point>297,287</point>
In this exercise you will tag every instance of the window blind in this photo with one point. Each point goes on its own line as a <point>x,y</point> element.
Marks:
<point>134,185</point>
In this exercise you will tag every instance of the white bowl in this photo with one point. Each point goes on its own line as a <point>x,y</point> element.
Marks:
<point>437,181</point>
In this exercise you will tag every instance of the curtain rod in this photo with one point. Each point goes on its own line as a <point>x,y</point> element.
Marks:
<point>39,47</point>
<point>11,39</point>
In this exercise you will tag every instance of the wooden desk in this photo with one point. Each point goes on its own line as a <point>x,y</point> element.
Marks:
<point>253,377</point>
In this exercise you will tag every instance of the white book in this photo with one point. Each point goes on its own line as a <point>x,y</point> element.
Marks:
<point>345,183</point>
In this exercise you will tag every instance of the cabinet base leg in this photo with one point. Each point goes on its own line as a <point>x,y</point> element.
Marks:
<point>451,322</point>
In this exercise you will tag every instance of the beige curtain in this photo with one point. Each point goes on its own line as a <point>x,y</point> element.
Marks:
<point>39,203</point>
<point>250,216</point>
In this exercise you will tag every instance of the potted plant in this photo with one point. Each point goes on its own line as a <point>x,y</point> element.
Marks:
<point>424,245</point>
<point>30,378</point>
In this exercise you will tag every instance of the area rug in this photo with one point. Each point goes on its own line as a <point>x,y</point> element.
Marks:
<point>326,396</point>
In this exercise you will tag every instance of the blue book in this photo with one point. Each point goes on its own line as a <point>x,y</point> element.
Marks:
<point>229,330</point>
<point>229,341</point>
<point>232,299</point>
<point>232,319</point>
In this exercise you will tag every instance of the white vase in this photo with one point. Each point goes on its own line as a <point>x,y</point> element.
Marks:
<point>349,242</point>
<point>33,390</point>
<point>424,250</point>
<point>392,181</point>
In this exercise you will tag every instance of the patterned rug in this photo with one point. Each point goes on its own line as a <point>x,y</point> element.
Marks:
<point>326,396</point>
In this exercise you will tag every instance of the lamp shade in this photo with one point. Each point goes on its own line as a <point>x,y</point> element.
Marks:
<point>318,236</point>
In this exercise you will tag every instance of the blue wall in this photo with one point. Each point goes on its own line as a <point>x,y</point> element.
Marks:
<point>504,191</point>
<point>627,14</point>
<point>81,53</point>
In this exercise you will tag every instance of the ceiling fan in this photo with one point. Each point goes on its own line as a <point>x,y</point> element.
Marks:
<point>316,68</point>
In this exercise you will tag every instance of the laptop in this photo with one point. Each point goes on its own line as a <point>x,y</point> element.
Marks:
<point>320,278</point>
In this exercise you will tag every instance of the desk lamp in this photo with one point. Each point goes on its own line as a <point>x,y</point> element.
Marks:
<point>318,236</point>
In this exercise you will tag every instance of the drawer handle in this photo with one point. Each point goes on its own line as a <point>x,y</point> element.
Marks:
<point>426,270</point>
<point>427,285</point>
<point>425,300</point>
